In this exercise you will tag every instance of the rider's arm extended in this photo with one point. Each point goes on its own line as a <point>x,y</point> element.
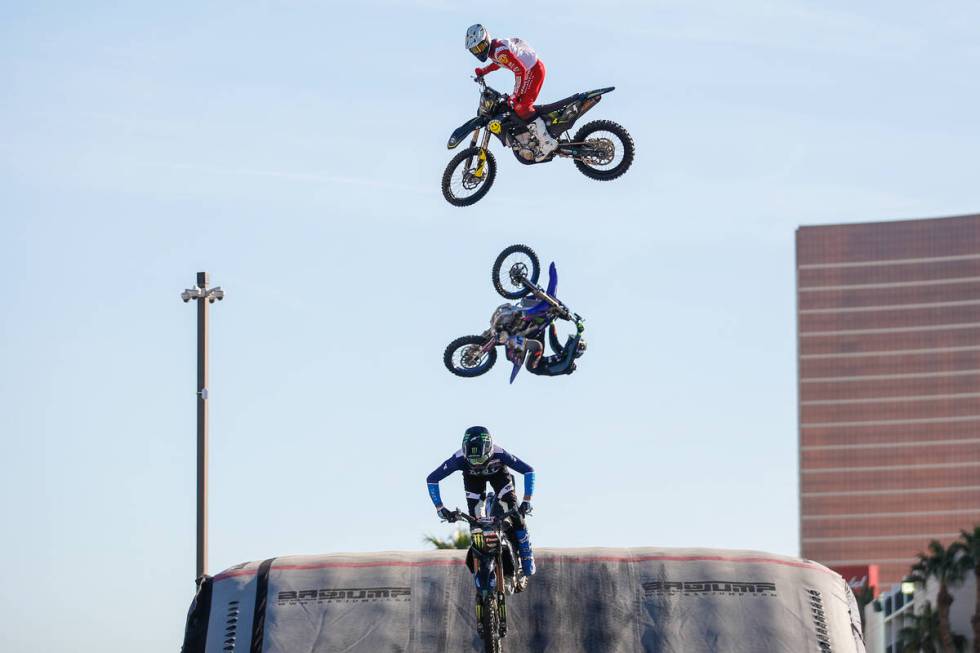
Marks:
<point>480,72</point>
<point>520,467</point>
<point>453,464</point>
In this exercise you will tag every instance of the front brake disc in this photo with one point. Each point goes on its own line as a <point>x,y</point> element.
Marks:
<point>518,272</point>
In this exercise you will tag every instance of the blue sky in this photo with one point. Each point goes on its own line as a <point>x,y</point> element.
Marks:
<point>294,150</point>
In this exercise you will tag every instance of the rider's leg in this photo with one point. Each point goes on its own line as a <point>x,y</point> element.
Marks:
<point>527,554</point>
<point>503,485</point>
<point>474,487</point>
<point>535,349</point>
<point>524,106</point>
<point>547,141</point>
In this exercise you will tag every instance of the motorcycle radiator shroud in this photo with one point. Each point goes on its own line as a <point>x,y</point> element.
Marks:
<point>580,601</point>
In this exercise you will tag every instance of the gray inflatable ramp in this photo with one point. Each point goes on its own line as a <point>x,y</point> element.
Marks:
<point>580,601</point>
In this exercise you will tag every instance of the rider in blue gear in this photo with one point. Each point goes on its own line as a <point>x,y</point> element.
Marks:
<point>481,461</point>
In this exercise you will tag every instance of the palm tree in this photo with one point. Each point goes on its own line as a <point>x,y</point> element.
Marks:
<point>460,539</point>
<point>922,634</point>
<point>969,545</point>
<point>947,566</point>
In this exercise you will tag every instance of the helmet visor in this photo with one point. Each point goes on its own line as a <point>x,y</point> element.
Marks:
<point>478,459</point>
<point>479,450</point>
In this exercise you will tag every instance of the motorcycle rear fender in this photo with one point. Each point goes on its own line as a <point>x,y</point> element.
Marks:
<point>543,306</point>
<point>463,130</point>
<point>587,100</point>
<point>599,91</point>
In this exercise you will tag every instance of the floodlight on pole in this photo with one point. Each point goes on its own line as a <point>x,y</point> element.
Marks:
<point>201,292</point>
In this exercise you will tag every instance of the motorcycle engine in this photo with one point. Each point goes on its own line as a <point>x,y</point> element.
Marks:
<point>504,316</point>
<point>526,146</point>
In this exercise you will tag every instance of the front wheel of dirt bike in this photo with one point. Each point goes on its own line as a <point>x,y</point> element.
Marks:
<point>469,176</point>
<point>491,625</point>
<point>463,356</point>
<point>609,153</point>
<point>515,263</point>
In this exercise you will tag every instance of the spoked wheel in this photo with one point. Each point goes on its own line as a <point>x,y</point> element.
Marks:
<point>469,176</point>
<point>464,357</point>
<point>609,153</point>
<point>491,625</point>
<point>515,263</point>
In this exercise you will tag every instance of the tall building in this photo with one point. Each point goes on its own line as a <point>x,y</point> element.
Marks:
<point>888,320</point>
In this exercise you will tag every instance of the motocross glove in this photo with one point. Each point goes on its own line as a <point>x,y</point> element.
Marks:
<point>446,514</point>
<point>525,508</point>
<point>479,72</point>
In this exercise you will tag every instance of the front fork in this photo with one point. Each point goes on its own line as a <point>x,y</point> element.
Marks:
<point>501,611</point>
<point>483,595</point>
<point>501,594</point>
<point>482,168</point>
<point>543,296</point>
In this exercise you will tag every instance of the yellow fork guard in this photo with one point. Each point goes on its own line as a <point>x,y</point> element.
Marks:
<point>483,164</point>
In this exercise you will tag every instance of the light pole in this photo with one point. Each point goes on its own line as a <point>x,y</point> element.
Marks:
<point>205,297</point>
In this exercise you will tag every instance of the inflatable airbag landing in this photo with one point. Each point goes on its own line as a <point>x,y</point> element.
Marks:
<point>580,601</point>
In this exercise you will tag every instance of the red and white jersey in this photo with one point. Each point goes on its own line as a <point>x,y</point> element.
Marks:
<point>513,53</point>
<point>518,57</point>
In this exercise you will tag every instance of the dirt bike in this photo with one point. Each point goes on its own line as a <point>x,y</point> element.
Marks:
<point>602,149</point>
<point>515,276</point>
<point>496,567</point>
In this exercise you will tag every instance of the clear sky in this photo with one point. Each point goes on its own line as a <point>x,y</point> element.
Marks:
<point>294,150</point>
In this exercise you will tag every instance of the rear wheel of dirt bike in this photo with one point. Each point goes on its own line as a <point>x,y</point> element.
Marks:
<point>469,176</point>
<point>491,625</point>
<point>463,357</point>
<point>610,153</point>
<point>513,264</point>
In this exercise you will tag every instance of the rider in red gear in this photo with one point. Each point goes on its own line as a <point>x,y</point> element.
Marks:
<point>519,57</point>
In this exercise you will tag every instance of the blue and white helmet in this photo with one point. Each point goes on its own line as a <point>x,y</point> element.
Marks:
<point>478,41</point>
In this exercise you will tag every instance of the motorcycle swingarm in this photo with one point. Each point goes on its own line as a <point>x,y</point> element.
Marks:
<point>575,150</point>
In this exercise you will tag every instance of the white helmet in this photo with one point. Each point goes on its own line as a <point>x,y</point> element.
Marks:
<point>478,41</point>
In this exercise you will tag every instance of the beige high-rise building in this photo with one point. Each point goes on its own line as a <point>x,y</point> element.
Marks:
<point>888,320</point>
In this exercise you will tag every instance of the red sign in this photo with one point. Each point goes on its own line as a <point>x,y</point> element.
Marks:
<point>857,576</point>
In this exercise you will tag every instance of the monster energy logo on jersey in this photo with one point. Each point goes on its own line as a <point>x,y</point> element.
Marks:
<point>708,588</point>
<point>345,595</point>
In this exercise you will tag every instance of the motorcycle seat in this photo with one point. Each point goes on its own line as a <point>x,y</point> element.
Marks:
<point>544,109</point>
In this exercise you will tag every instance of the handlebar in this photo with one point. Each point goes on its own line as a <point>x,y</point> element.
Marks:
<point>471,520</point>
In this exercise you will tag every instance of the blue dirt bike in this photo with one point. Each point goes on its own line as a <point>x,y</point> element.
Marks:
<point>495,563</point>
<point>520,327</point>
